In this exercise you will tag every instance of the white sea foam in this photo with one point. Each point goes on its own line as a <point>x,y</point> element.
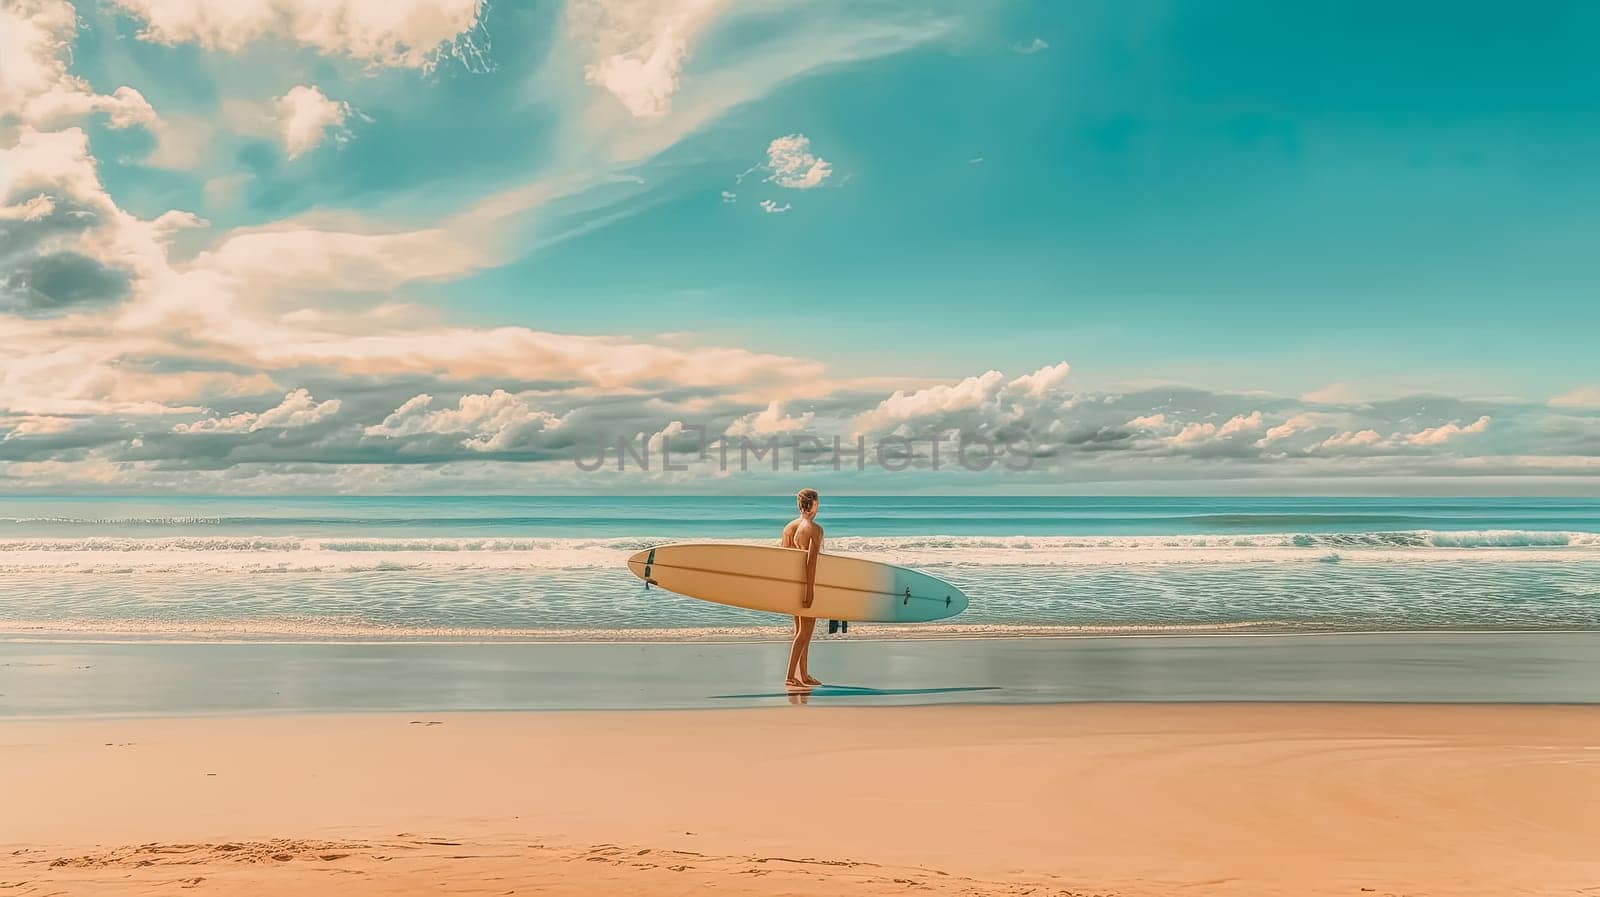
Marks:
<point>291,629</point>
<point>290,554</point>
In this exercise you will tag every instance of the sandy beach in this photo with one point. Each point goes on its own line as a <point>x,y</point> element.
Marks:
<point>1107,799</point>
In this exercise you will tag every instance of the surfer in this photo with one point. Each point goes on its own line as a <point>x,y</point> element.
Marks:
<point>804,533</point>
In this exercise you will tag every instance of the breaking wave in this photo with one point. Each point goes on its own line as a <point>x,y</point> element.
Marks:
<point>246,554</point>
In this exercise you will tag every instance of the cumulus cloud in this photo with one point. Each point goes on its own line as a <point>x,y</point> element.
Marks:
<point>772,208</point>
<point>1044,381</point>
<point>1155,423</point>
<point>36,86</point>
<point>933,402</point>
<point>771,421</point>
<point>305,116</point>
<point>399,33</point>
<point>1028,48</point>
<point>1200,432</point>
<point>63,242</point>
<point>1296,424</point>
<point>487,423</point>
<point>298,409</point>
<point>637,48</point>
<point>1446,432</point>
<point>792,164</point>
<point>1361,441</point>
<point>985,403</point>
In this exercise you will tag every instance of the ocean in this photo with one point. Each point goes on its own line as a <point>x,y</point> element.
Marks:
<point>471,568</point>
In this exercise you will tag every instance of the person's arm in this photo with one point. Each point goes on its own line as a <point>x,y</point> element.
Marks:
<point>814,549</point>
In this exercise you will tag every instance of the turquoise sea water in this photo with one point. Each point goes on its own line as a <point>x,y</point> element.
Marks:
<point>469,567</point>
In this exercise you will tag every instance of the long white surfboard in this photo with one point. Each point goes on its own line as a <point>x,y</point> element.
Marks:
<point>761,577</point>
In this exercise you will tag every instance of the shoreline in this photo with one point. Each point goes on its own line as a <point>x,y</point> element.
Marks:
<point>1130,800</point>
<point>138,633</point>
<point>55,679</point>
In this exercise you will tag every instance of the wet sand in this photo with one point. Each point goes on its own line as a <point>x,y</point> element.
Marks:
<point>1109,799</point>
<point>134,678</point>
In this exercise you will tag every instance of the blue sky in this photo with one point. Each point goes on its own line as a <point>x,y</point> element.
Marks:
<point>547,219</point>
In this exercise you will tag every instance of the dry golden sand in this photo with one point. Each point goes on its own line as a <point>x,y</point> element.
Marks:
<point>1135,800</point>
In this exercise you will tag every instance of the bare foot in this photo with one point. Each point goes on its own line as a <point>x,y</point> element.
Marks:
<point>811,680</point>
<point>792,682</point>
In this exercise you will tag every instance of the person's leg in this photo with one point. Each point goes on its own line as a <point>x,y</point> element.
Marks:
<point>796,650</point>
<point>810,626</point>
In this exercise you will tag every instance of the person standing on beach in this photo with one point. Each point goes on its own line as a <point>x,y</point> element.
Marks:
<point>804,533</point>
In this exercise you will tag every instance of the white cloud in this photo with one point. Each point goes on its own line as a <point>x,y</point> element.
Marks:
<point>1440,434</point>
<point>770,421</point>
<point>772,208</point>
<point>18,426</point>
<point>780,48</point>
<point>1043,381</point>
<point>305,115</point>
<point>637,48</point>
<point>1582,397</point>
<point>490,423</point>
<point>985,401</point>
<point>31,209</point>
<point>1029,48</point>
<point>792,164</point>
<point>400,33</point>
<point>298,409</point>
<point>1348,441</point>
<point>1295,425</point>
<point>1239,425</point>
<point>729,196</point>
<point>932,402</point>
<point>1152,422</point>
<point>36,87</point>
<point>50,187</point>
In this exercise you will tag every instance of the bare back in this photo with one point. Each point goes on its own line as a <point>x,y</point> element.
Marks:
<point>800,533</point>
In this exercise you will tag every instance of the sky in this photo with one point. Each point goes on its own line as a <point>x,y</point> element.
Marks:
<point>334,246</point>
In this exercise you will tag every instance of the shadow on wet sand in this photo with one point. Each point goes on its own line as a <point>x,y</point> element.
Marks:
<point>857,691</point>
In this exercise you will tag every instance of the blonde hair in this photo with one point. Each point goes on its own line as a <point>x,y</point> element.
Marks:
<point>806,499</point>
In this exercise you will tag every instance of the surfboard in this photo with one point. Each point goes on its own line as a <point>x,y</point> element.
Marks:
<point>762,577</point>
